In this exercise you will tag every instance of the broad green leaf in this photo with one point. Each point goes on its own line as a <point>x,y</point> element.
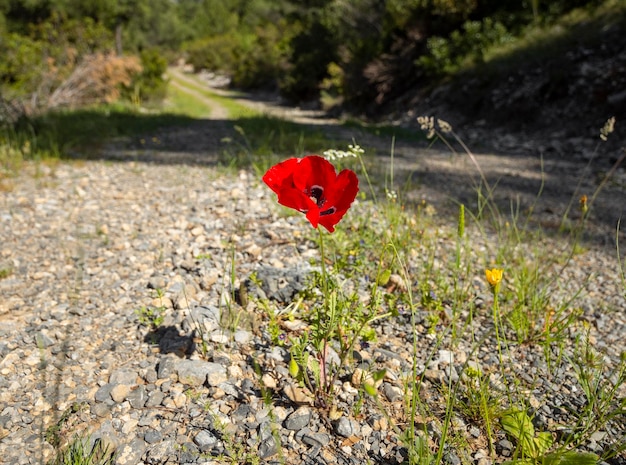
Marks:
<point>520,462</point>
<point>383,278</point>
<point>379,374</point>
<point>314,366</point>
<point>519,425</point>
<point>542,442</point>
<point>294,369</point>
<point>370,389</point>
<point>570,458</point>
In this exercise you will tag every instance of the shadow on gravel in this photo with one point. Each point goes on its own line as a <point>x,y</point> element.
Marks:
<point>170,341</point>
<point>259,141</point>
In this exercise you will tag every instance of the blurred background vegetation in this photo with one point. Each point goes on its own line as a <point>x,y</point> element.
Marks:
<point>357,55</point>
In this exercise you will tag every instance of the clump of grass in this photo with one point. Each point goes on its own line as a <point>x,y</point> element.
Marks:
<point>82,451</point>
<point>5,272</point>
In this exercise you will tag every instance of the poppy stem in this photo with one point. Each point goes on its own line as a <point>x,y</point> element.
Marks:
<point>323,263</point>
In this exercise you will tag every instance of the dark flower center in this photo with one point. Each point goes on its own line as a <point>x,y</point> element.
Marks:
<point>316,193</point>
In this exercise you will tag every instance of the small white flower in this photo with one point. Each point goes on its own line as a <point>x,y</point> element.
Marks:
<point>353,152</point>
<point>444,126</point>
<point>608,128</point>
<point>391,195</point>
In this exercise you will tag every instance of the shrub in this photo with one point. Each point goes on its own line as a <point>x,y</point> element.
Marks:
<point>97,78</point>
<point>149,84</point>
<point>445,55</point>
<point>213,53</point>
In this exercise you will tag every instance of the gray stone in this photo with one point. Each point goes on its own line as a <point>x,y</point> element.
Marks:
<point>242,336</point>
<point>393,393</point>
<point>197,372</point>
<point>161,452</point>
<point>229,388</point>
<point>205,440</point>
<point>152,436</point>
<point>103,394</point>
<point>451,458</point>
<point>268,448</point>
<point>131,453</point>
<point>138,397</point>
<point>346,427</point>
<point>316,439</point>
<point>279,354</point>
<point>167,367</point>
<point>43,340</point>
<point>154,399</point>
<point>100,410</point>
<point>298,419</point>
<point>128,377</point>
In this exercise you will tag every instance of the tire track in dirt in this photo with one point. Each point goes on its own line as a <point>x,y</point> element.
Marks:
<point>218,111</point>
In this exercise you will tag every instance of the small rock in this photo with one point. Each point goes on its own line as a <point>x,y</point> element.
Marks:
<point>316,439</point>
<point>155,398</point>
<point>161,452</point>
<point>119,393</point>
<point>197,372</point>
<point>298,419</point>
<point>268,448</point>
<point>205,440</point>
<point>451,458</point>
<point>297,395</point>
<point>393,393</point>
<point>127,377</point>
<point>131,453</point>
<point>269,381</point>
<point>103,393</point>
<point>138,397</point>
<point>242,337</point>
<point>152,436</point>
<point>167,367</point>
<point>346,427</point>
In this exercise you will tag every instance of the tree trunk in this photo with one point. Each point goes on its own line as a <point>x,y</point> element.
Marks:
<point>118,39</point>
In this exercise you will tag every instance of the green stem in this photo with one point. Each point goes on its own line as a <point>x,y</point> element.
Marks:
<point>323,264</point>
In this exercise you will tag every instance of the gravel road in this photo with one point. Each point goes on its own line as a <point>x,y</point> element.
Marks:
<point>89,244</point>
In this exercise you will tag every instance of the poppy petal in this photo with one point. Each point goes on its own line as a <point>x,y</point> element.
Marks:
<point>281,175</point>
<point>314,170</point>
<point>343,194</point>
<point>293,198</point>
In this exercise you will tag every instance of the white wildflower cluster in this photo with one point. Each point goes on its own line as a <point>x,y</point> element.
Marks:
<point>608,128</point>
<point>391,195</point>
<point>427,123</point>
<point>353,151</point>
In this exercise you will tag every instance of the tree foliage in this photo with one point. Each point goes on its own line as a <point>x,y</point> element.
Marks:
<point>363,52</point>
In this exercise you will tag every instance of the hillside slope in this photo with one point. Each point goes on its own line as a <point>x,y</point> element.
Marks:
<point>554,94</point>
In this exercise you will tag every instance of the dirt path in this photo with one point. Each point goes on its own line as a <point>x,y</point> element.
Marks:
<point>549,184</point>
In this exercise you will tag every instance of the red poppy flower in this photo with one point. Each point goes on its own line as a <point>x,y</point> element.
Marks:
<point>312,186</point>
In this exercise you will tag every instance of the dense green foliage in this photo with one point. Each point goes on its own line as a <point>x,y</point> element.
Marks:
<point>356,52</point>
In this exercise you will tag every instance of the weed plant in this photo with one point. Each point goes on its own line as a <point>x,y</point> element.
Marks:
<point>527,310</point>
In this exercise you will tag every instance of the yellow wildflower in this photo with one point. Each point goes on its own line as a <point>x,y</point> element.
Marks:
<point>494,276</point>
<point>583,204</point>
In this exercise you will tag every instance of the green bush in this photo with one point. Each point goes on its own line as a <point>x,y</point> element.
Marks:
<point>254,59</point>
<point>311,52</point>
<point>149,84</point>
<point>21,67</point>
<point>446,55</point>
<point>260,59</point>
<point>213,53</point>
